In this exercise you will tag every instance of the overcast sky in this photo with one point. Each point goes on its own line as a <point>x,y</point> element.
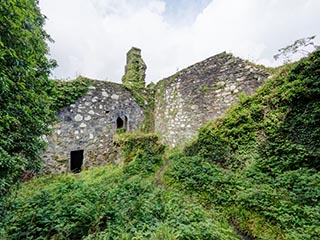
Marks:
<point>93,36</point>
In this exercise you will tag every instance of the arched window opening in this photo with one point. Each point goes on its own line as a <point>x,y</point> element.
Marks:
<point>120,123</point>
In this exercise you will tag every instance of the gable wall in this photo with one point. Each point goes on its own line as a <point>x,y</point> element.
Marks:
<point>201,93</point>
<point>89,125</point>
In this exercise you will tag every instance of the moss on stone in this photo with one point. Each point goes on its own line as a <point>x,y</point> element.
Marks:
<point>205,89</point>
<point>134,81</point>
<point>147,125</point>
<point>219,85</point>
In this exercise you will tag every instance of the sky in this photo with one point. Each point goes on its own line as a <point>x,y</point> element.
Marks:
<point>92,37</point>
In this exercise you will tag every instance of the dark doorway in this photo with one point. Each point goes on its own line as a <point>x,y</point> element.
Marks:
<point>120,123</point>
<point>76,161</point>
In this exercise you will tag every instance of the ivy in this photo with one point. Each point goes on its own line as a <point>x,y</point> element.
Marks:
<point>68,92</point>
<point>25,90</point>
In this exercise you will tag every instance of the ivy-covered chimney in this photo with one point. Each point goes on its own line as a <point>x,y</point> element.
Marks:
<point>135,71</point>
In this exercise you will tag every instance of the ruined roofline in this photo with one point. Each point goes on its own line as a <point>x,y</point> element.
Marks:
<point>93,81</point>
<point>135,50</point>
<point>259,68</point>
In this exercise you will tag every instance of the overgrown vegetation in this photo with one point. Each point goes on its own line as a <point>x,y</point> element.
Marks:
<point>25,111</point>
<point>147,125</point>
<point>111,203</point>
<point>134,77</point>
<point>68,92</point>
<point>260,162</point>
<point>134,81</point>
<point>255,170</point>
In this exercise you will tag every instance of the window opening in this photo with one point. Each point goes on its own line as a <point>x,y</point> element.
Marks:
<point>120,123</point>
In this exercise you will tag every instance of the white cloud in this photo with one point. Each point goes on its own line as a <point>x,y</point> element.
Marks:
<point>93,36</point>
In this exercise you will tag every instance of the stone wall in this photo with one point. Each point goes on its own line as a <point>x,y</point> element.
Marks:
<point>181,104</point>
<point>201,93</point>
<point>90,125</point>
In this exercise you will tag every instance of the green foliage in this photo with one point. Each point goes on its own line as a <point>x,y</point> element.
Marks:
<point>110,203</point>
<point>68,92</point>
<point>131,144</point>
<point>134,77</point>
<point>24,90</point>
<point>205,89</point>
<point>260,162</point>
<point>210,183</point>
<point>147,125</point>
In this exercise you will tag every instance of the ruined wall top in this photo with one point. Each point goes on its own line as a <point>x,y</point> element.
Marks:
<point>201,93</point>
<point>133,52</point>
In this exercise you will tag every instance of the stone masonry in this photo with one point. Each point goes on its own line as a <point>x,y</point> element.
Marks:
<point>201,93</point>
<point>182,104</point>
<point>90,125</point>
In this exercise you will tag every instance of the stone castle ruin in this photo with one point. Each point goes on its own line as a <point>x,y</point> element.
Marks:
<point>181,103</point>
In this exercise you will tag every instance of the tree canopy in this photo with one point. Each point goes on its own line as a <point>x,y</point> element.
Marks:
<point>24,89</point>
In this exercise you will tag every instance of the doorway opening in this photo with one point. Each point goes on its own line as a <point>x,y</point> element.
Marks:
<point>76,161</point>
<point>120,123</point>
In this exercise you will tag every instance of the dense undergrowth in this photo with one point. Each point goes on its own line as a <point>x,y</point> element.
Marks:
<point>256,170</point>
<point>111,203</point>
<point>260,162</point>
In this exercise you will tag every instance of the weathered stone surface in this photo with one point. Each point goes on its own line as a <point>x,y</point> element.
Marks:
<point>78,118</point>
<point>115,96</point>
<point>183,102</point>
<point>201,93</point>
<point>87,118</point>
<point>93,130</point>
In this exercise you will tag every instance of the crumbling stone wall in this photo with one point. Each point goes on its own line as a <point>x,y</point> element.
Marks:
<point>90,125</point>
<point>175,107</point>
<point>201,93</point>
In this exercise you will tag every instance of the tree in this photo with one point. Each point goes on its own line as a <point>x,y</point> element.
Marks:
<point>301,46</point>
<point>25,89</point>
